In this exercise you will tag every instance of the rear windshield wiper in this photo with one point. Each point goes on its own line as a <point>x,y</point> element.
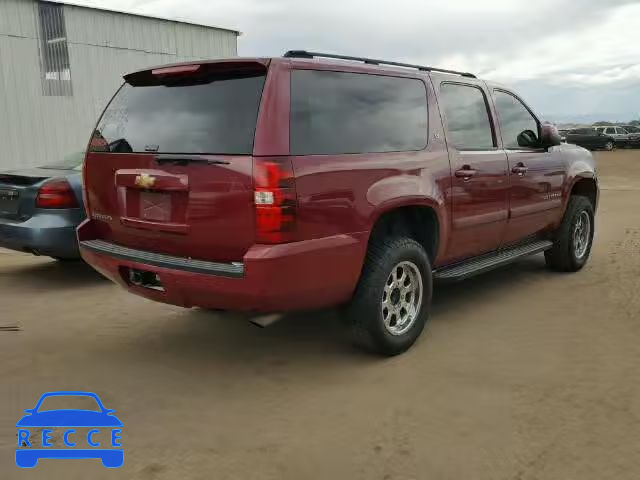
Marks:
<point>184,159</point>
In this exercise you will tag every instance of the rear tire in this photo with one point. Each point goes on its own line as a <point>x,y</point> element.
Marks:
<point>574,239</point>
<point>391,305</point>
<point>609,146</point>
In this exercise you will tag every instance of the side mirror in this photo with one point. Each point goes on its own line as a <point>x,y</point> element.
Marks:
<point>29,410</point>
<point>549,136</point>
<point>527,139</point>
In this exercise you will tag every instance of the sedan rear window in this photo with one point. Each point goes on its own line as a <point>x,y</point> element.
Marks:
<point>72,161</point>
<point>216,115</point>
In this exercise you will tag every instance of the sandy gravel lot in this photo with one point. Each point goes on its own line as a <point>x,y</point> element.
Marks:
<point>522,374</point>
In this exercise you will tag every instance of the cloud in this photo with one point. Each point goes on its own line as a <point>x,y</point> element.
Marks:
<point>566,45</point>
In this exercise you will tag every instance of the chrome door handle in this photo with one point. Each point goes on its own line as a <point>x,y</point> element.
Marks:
<point>465,173</point>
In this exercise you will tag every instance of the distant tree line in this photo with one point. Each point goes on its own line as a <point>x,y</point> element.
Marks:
<point>605,123</point>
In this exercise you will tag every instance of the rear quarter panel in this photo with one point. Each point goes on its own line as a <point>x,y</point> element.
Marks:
<point>75,180</point>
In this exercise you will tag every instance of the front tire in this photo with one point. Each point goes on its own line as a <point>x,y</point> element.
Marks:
<point>391,305</point>
<point>574,239</point>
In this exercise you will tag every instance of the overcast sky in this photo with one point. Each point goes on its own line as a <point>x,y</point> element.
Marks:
<point>568,58</point>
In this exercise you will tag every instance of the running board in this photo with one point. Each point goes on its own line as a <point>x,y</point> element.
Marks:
<point>484,263</point>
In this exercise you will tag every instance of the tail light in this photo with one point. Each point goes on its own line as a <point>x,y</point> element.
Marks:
<point>176,70</point>
<point>275,200</point>
<point>56,193</point>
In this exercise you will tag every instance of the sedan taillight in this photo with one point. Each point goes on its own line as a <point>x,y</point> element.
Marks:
<point>56,193</point>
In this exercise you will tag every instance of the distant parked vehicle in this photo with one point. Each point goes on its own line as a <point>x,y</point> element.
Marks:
<point>634,135</point>
<point>619,134</point>
<point>591,139</point>
<point>41,207</point>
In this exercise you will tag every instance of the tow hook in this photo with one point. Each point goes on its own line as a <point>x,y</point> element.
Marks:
<point>143,278</point>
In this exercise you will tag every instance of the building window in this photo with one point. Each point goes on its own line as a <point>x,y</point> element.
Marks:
<point>55,67</point>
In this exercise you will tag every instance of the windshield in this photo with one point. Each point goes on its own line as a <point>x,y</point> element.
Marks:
<point>214,116</point>
<point>72,161</point>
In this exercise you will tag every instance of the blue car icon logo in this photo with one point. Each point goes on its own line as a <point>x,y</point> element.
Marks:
<point>38,425</point>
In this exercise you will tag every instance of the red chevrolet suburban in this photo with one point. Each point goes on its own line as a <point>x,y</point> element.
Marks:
<point>312,180</point>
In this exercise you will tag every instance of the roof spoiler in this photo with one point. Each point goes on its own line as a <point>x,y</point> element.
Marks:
<point>195,71</point>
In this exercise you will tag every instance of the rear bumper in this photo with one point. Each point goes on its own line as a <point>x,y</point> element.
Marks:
<point>271,278</point>
<point>44,234</point>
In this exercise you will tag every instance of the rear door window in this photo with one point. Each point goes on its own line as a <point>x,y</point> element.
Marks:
<point>467,114</point>
<point>339,113</point>
<point>211,114</point>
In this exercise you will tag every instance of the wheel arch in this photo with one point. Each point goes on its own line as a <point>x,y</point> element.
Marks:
<point>586,185</point>
<point>418,219</point>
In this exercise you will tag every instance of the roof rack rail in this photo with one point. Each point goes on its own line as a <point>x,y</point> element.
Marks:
<point>372,61</point>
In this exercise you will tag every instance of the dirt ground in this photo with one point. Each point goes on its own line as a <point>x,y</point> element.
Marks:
<point>521,374</point>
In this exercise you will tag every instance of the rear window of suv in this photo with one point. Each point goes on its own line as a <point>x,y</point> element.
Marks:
<point>212,115</point>
<point>341,113</point>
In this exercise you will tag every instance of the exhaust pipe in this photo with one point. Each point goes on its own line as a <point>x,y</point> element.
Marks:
<point>263,321</point>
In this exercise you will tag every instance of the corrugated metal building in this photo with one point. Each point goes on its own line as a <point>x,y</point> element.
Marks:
<point>60,63</point>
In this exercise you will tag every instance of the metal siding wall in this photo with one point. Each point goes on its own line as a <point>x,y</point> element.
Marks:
<point>16,18</point>
<point>103,46</point>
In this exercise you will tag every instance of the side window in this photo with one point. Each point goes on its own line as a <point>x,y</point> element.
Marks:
<point>468,121</point>
<point>610,131</point>
<point>338,113</point>
<point>621,131</point>
<point>519,128</point>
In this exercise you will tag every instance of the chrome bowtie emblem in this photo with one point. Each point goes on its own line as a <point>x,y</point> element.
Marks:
<point>144,180</point>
